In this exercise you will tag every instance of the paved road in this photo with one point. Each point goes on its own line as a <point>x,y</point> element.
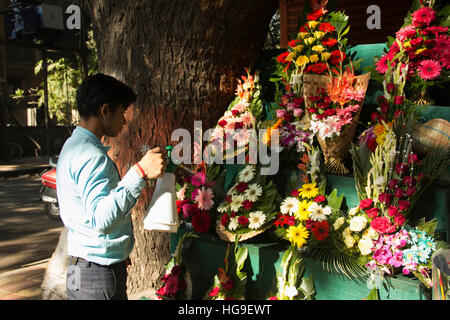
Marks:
<point>27,235</point>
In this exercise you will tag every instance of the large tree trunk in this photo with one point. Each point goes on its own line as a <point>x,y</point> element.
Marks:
<point>182,58</point>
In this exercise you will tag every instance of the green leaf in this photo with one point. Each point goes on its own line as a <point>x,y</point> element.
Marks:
<point>334,201</point>
<point>428,227</point>
<point>308,288</point>
<point>373,295</point>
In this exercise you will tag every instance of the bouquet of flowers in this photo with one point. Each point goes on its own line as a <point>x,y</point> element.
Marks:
<point>229,283</point>
<point>249,206</point>
<point>236,128</point>
<point>195,200</point>
<point>424,46</point>
<point>177,281</point>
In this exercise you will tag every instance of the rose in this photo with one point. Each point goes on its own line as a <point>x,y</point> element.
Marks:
<point>409,181</point>
<point>412,158</point>
<point>399,219</point>
<point>298,112</point>
<point>403,205</point>
<point>393,184</point>
<point>401,168</point>
<point>399,99</point>
<point>247,204</point>
<point>384,106</point>
<point>228,285</point>
<point>372,213</point>
<point>224,220</point>
<point>398,193</point>
<point>390,87</point>
<point>385,198</point>
<point>241,187</point>
<point>243,220</point>
<point>365,204</point>
<point>392,211</point>
<point>294,193</point>
<point>411,191</point>
<point>320,198</point>
<point>382,225</point>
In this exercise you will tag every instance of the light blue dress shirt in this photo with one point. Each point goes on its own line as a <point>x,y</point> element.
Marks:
<point>94,203</point>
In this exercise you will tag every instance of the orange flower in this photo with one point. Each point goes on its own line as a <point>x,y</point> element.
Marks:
<point>268,135</point>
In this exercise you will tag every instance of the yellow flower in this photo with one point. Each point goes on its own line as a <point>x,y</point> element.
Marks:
<point>407,44</point>
<point>312,24</point>
<point>319,34</point>
<point>303,213</point>
<point>310,40</point>
<point>318,48</point>
<point>291,56</point>
<point>297,235</point>
<point>303,34</point>
<point>380,133</point>
<point>302,60</point>
<point>325,56</point>
<point>308,190</point>
<point>314,58</point>
<point>298,48</point>
<point>419,51</point>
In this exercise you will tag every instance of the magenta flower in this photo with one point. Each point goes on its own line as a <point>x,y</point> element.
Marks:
<point>429,69</point>
<point>198,179</point>
<point>423,17</point>
<point>396,260</point>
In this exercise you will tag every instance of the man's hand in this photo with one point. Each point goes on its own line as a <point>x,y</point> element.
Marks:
<point>153,164</point>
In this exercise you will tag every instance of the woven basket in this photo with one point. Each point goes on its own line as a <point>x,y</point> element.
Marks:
<point>433,135</point>
<point>231,237</point>
<point>336,150</point>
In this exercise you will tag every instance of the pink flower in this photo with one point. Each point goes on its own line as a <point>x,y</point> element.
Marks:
<point>372,213</point>
<point>423,17</point>
<point>405,33</point>
<point>382,64</point>
<point>214,292</point>
<point>366,204</point>
<point>281,113</point>
<point>382,225</point>
<point>382,255</point>
<point>198,179</point>
<point>429,69</point>
<point>204,199</point>
<point>247,119</point>
<point>397,259</point>
<point>298,112</point>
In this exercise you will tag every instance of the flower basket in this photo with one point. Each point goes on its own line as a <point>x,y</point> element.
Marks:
<point>231,237</point>
<point>335,149</point>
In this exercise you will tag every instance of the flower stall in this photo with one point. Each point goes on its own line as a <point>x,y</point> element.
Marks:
<point>358,208</point>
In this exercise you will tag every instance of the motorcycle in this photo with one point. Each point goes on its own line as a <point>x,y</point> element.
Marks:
<point>48,192</point>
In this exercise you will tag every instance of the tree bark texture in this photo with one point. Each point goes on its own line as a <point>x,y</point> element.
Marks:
<point>183,59</point>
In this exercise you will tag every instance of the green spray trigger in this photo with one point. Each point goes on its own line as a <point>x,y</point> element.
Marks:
<point>171,166</point>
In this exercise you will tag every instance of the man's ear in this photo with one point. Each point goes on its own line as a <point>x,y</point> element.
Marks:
<point>103,111</point>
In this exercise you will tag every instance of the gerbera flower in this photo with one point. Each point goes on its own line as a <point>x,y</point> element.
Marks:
<point>223,207</point>
<point>247,119</point>
<point>320,230</point>
<point>297,235</point>
<point>256,219</point>
<point>289,206</point>
<point>326,27</point>
<point>319,213</point>
<point>405,33</point>
<point>302,212</point>
<point>247,174</point>
<point>253,192</point>
<point>383,64</point>
<point>236,202</point>
<point>329,42</point>
<point>284,219</point>
<point>308,190</point>
<point>201,222</point>
<point>198,179</point>
<point>282,57</point>
<point>423,17</point>
<point>429,69</point>
<point>233,224</point>
<point>204,199</point>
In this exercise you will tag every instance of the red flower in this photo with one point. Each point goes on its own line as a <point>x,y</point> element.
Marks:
<point>320,230</point>
<point>337,56</point>
<point>366,204</point>
<point>399,99</point>
<point>309,224</point>
<point>403,205</point>
<point>423,17</point>
<point>282,57</point>
<point>176,270</point>
<point>214,292</point>
<point>329,42</point>
<point>201,222</point>
<point>393,184</point>
<point>392,211</point>
<point>390,87</point>
<point>294,193</point>
<point>294,43</point>
<point>329,112</point>
<point>398,193</point>
<point>238,125</point>
<point>320,198</point>
<point>247,204</point>
<point>410,191</point>
<point>283,220</point>
<point>313,16</point>
<point>409,181</point>
<point>385,198</point>
<point>382,225</point>
<point>317,68</point>
<point>224,220</point>
<point>399,219</point>
<point>241,187</point>
<point>326,27</point>
<point>372,213</point>
<point>412,158</point>
<point>401,168</point>
<point>235,112</point>
<point>243,220</point>
<point>228,285</point>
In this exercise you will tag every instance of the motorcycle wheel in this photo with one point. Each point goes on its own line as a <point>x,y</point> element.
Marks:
<point>52,211</point>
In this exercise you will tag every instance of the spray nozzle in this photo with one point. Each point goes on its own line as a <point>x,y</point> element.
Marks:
<point>171,166</point>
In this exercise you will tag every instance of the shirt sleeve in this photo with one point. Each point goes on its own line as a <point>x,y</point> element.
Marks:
<point>103,202</point>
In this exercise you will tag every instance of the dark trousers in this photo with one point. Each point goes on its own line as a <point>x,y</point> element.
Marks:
<point>90,281</point>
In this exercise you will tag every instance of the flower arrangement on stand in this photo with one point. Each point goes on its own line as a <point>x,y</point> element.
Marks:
<point>195,200</point>
<point>229,282</point>
<point>424,46</point>
<point>248,207</point>
<point>177,280</point>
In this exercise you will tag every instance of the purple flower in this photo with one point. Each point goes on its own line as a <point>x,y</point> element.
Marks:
<point>383,254</point>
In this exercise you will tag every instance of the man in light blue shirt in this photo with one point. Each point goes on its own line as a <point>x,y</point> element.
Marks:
<point>95,203</point>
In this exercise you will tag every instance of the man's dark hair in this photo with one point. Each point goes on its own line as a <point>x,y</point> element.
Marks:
<point>99,89</point>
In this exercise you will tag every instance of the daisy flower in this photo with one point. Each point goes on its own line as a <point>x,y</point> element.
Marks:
<point>297,235</point>
<point>247,174</point>
<point>223,207</point>
<point>204,199</point>
<point>318,213</point>
<point>256,219</point>
<point>308,190</point>
<point>242,137</point>
<point>233,224</point>
<point>429,69</point>
<point>236,202</point>
<point>253,192</point>
<point>289,206</point>
<point>302,212</point>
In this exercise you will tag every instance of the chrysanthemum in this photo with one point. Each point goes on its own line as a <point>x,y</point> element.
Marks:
<point>204,198</point>
<point>289,206</point>
<point>247,174</point>
<point>253,192</point>
<point>429,69</point>
<point>318,213</point>
<point>298,235</point>
<point>256,219</point>
<point>308,190</point>
<point>236,202</point>
<point>302,212</point>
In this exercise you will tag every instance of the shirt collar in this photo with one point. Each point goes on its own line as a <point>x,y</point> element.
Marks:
<point>85,133</point>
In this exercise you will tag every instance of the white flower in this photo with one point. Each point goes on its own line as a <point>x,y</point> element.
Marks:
<point>256,219</point>
<point>223,207</point>
<point>357,223</point>
<point>338,223</point>
<point>365,246</point>
<point>353,211</point>
<point>233,224</point>
<point>346,232</point>
<point>289,205</point>
<point>236,202</point>
<point>253,192</point>
<point>291,291</point>
<point>370,234</point>
<point>319,213</point>
<point>349,241</point>
<point>247,174</point>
